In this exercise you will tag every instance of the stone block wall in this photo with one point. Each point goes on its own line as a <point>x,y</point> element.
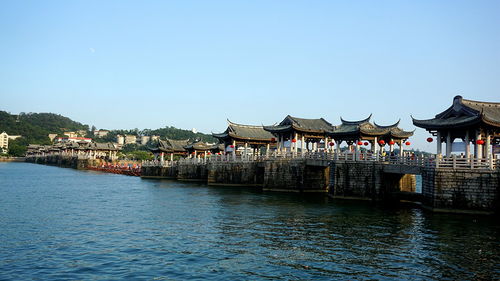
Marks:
<point>295,175</point>
<point>236,173</point>
<point>461,190</point>
<point>354,179</point>
<point>57,160</point>
<point>192,172</point>
<point>408,183</point>
<point>159,172</point>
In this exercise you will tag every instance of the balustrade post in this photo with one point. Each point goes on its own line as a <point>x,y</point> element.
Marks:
<point>454,157</point>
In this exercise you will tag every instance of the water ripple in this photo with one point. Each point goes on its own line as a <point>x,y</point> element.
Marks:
<point>61,224</point>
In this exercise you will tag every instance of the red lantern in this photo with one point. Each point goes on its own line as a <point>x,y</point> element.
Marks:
<point>294,140</point>
<point>480,142</point>
<point>381,142</point>
<point>209,153</point>
<point>429,139</point>
<point>332,144</point>
<point>273,139</point>
<point>360,143</point>
<point>366,143</point>
<point>231,146</point>
<point>407,143</point>
<point>391,142</point>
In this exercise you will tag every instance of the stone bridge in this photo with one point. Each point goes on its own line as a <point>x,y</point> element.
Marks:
<point>443,189</point>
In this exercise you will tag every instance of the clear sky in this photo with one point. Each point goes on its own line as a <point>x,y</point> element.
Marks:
<point>192,64</point>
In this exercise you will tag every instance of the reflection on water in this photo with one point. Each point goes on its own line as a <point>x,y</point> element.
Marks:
<point>66,224</point>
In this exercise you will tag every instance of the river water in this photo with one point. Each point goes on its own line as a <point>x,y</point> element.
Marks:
<point>64,224</point>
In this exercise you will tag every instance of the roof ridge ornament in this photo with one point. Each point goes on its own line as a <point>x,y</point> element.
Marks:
<point>356,122</point>
<point>388,126</point>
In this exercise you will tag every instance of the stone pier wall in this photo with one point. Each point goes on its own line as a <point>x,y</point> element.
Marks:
<point>64,161</point>
<point>192,172</point>
<point>408,183</point>
<point>296,176</point>
<point>349,179</point>
<point>442,189</point>
<point>367,180</point>
<point>236,174</point>
<point>461,191</point>
<point>159,172</point>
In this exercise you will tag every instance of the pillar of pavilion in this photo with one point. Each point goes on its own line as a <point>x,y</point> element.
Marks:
<point>247,140</point>
<point>306,134</point>
<point>472,122</point>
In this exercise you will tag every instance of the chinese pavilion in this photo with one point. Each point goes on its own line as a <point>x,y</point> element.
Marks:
<point>310,132</point>
<point>169,146</point>
<point>471,121</point>
<point>248,136</point>
<point>203,148</point>
<point>363,132</point>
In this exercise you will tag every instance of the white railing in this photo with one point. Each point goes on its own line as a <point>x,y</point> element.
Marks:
<point>428,160</point>
<point>455,162</point>
<point>158,163</point>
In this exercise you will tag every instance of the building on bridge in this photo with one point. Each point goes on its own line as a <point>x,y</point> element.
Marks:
<point>363,132</point>
<point>172,147</point>
<point>307,134</point>
<point>251,138</point>
<point>203,149</point>
<point>474,122</point>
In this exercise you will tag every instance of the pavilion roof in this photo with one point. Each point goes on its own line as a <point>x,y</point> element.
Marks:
<point>171,146</point>
<point>101,146</point>
<point>199,145</point>
<point>244,132</point>
<point>320,126</point>
<point>463,113</point>
<point>203,146</point>
<point>364,128</point>
<point>350,127</point>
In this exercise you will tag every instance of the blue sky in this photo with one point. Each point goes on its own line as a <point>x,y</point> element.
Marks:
<point>192,64</point>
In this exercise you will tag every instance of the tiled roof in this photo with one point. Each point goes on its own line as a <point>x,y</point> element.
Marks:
<point>245,132</point>
<point>463,113</point>
<point>320,126</point>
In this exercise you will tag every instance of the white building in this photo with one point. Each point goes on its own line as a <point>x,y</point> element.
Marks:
<point>145,139</point>
<point>52,137</point>
<point>4,142</point>
<point>101,133</point>
<point>71,134</point>
<point>130,139</point>
<point>74,139</point>
<point>120,139</point>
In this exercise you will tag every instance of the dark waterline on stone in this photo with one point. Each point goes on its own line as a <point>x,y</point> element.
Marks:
<point>60,224</point>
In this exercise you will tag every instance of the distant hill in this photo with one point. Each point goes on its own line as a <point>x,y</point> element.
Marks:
<point>167,132</point>
<point>35,127</point>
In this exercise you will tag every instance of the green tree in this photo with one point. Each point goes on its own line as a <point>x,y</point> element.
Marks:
<point>17,147</point>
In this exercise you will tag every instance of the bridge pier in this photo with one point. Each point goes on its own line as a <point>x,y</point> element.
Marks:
<point>443,188</point>
<point>462,191</point>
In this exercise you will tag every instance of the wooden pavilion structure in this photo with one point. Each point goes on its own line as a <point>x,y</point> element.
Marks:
<point>249,136</point>
<point>203,149</point>
<point>172,147</point>
<point>363,132</point>
<point>308,133</point>
<point>474,122</point>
